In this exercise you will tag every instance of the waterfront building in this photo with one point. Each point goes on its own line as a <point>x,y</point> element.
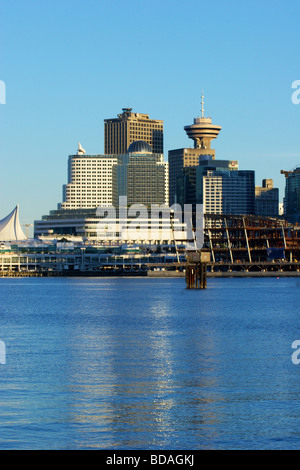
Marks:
<point>52,258</point>
<point>202,132</point>
<point>105,225</point>
<point>292,195</point>
<point>267,199</point>
<point>235,242</point>
<point>129,127</point>
<point>89,181</point>
<point>141,176</point>
<point>252,243</point>
<point>10,227</point>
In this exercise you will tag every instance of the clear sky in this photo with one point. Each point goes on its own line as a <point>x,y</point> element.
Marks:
<point>70,64</point>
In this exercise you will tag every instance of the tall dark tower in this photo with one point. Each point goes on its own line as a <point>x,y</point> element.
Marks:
<point>183,161</point>
<point>202,132</point>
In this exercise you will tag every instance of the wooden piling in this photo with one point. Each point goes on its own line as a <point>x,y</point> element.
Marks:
<point>196,270</point>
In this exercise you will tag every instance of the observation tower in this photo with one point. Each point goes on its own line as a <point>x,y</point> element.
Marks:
<point>202,132</point>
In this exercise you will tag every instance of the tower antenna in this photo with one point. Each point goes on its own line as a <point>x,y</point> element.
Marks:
<point>202,105</point>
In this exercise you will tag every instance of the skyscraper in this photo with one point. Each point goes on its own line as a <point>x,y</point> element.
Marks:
<point>190,183</point>
<point>89,181</point>
<point>202,132</point>
<point>129,127</point>
<point>229,192</point>
<point>180,160</point>
<point>267,199</point>
<point>141,176</point>
<point>223,166</point>
<point>292,196</point>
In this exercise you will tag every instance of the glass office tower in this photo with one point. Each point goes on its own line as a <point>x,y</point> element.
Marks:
<point>292,196</point>
<point>141,176</point>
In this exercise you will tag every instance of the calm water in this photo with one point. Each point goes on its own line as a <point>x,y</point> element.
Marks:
<point>147,364</point>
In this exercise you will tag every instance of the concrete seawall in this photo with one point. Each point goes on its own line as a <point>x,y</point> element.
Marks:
<point>155,274</point>
<point>236,274</point>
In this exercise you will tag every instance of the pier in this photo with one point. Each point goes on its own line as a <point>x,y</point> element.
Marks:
<point>10,273</point>
<point>196,270</point>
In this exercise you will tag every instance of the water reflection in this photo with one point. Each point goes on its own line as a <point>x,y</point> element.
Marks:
<point>145,380</point>
<point>128,363</point>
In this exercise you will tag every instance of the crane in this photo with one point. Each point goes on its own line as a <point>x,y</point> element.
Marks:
<point>287,173</point>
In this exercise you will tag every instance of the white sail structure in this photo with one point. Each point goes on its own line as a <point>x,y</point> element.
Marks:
<point>10,227</point>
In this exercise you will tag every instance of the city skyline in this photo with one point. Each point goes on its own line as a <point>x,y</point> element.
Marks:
<point>61,85</point>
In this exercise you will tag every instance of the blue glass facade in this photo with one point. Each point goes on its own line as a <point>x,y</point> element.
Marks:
<point>292,197</point>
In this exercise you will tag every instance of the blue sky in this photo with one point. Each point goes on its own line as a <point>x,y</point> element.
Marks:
<point>70,64</point>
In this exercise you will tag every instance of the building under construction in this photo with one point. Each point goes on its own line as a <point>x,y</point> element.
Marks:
<point>251,243</point>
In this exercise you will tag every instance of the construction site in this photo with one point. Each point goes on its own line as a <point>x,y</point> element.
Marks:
<point>252,244</point>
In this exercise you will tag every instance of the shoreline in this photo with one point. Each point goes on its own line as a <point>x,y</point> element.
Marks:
<point>155,274</point>
<point>235,274</point>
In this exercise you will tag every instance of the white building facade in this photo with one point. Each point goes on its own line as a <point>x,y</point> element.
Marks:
<point>89,181</point>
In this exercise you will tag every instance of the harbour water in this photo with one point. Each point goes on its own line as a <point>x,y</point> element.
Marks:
<point>145,363</point>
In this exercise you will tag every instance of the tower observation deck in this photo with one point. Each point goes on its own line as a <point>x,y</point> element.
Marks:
<point>202,132</point>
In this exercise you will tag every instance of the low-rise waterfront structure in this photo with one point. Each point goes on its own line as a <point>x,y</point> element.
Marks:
<point>236,244</point>
<point>10,227</point>
<point>107,225</point>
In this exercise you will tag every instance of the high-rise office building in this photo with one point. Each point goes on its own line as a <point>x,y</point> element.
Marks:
<point>292,196</point>
<point>267,199</point>
<point>180,160</point>
<point>129,127</point>
<point>229,192</point>
<point>211,166</point>
<point>89,181</point>
<point>190,183</point>
<point>141,176</point>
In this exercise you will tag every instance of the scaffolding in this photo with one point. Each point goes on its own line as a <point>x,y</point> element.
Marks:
<point>241,242</point>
